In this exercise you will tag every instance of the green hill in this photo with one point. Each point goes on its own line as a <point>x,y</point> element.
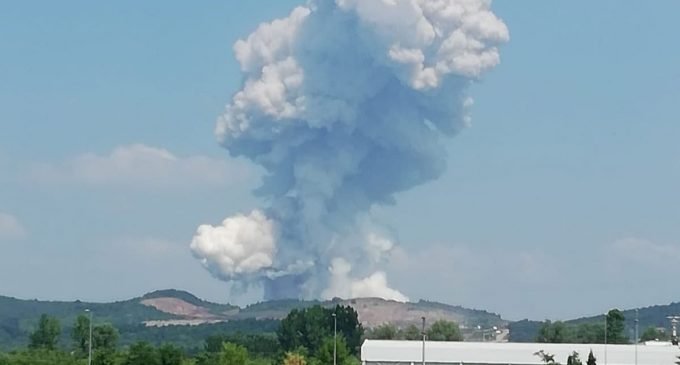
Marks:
<point>19,317</point>
<point>180,317</point>
<point>652,316</point>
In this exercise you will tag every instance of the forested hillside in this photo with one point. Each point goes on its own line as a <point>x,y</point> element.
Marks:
<point>303,336</point>
<point>653,317</point>
<point>181,318</point>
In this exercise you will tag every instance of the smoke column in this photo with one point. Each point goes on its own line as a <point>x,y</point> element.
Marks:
<point>344,103</point>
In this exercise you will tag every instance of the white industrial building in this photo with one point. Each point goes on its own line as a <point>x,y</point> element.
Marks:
<point>382,352</point>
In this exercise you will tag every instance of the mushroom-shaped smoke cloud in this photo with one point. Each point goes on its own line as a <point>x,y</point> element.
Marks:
<point>344,104</point>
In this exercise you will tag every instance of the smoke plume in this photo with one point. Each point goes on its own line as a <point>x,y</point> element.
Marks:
<point>344,104</point>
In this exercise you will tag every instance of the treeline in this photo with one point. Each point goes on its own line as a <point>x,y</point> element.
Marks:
<point>439,331</point>
<point>189,338</point>
<point>594,332</point>
<point>305,336</point>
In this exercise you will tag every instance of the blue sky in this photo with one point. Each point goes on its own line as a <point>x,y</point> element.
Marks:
<point>560,200</point>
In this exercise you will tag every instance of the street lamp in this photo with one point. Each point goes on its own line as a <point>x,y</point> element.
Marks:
<point>335,338</point>
<point>423,318</point>
<point>637,319</point>
<point>605,338</point>
<point>89,342</point>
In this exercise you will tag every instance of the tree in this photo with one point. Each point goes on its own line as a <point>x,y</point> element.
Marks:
<point>213,343</point>
<point>262,345</point>
<point>208,358</point>
<point>105,357</point>
<point>308,327</point>
<point>591,359</point>
<point>294,358</point>
<point>303,328</point>
<point>411,333</point>
<point>383,332</point>
<point>81,334</point>
<point>104,337</point>
<point>233,354</point>
<point>590,333</point>
<point>616,327</point>
<point>546,357</point>
<point>653,334</point>
<point>47,334</point>
<point>556,332</point>
<point>349,326</point>
<point>142,353</point>
<point>442,330</point>
<point>39,357</point>
<point>574,359</point>
<point>325,353</point>
<point>170,355</point>
<point>104,340</point>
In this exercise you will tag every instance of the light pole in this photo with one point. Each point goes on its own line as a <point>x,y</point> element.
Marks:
<point>481,330</point>
<point>89,342</point>
<point>423,340</point>
<point>605,338</point>
<point>335,338</point>
<point>637,319</point>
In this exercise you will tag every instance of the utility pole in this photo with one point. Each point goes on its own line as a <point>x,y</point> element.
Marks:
<point>423,340</point>
<point>605,337</point>
<point>637,320</point>
<point>674,325</point>
<point>89,342</point>
<point>335,339</point>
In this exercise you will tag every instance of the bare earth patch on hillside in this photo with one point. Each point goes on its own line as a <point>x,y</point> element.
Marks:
<point>179,308</point>
<point>374,312</point>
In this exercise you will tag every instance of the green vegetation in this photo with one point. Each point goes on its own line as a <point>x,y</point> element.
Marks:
<point>620,326</point>
<point>573,359</point>
<point>591,359</point>
<point>655,334</point>
<point>439,331</point>
<point>305,336</point>
<point>444,331</point>
<point>47,334</point>
<point>19,318</point>
<point>472,317</point>
<point>561,332</point>
<point>308,328</point>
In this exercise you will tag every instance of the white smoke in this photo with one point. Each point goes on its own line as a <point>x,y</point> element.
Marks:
<point>344,104</point>
<point>342,285</point>
<point>241,246</point>
<point>377,247</point>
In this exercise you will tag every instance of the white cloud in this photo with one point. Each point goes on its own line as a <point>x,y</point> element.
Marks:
<point>142,166</point>
<point>10,227</point>
<point>652,256</point>
<point>638,248</point>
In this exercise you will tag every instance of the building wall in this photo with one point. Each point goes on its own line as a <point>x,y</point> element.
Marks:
<point>446,353</point>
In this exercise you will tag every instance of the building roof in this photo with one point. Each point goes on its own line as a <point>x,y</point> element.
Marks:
<point>381,351</point>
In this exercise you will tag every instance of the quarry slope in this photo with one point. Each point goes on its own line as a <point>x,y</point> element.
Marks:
<point>187,309</point>
<point>175,307</point>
